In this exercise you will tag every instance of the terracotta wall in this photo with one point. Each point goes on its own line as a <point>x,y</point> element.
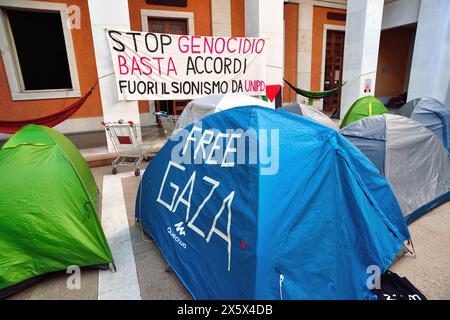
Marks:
<point>238,18</point>
<point>200,8</point>
<point>319,20</point>
<point>290,49</point>
<point>87,73</point>
<point>202,21</point>
<point>393,59</point>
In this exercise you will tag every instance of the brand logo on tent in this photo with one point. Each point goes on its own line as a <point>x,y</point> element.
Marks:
<point>179,228</point>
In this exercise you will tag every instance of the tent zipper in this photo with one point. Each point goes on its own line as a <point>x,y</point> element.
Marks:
<point>281,286</point>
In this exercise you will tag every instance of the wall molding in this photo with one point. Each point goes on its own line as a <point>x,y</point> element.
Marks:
<point>337,4</point>
<point>147,13</point>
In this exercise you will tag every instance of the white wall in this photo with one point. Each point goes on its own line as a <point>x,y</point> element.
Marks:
<point>400,12</point>
<point>221,17</point>
<point>111,14</point>
<point>430,69</point>
<point>264,18</point>
<point>304,47</point>
<point>362,40</point>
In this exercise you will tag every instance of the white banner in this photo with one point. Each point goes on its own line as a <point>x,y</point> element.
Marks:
<point>154,66</point>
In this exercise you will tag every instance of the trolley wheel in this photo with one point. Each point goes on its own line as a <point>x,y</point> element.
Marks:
<point>114,170</point>
<point>137,172</point>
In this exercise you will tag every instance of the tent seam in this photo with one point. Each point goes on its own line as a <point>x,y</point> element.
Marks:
<point>367,193</point>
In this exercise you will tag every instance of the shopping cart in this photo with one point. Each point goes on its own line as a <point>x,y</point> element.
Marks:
<point>125,139</point>
<point>168,122</point>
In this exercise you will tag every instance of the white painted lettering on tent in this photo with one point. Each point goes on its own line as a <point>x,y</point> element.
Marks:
<point>186,202</point>
<point>206,139</point>
<point>228,149</point>
<point>175,187</point>
<point>189,188</point>
<point>191,225</point>
<point>226,237</point>
<point>211,144</point>
<point>215,147</point>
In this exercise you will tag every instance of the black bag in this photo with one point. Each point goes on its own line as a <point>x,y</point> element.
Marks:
<point>394,287</point>
<point>397,102</point>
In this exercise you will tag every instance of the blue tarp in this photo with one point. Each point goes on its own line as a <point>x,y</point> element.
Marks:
<point>304,221</point>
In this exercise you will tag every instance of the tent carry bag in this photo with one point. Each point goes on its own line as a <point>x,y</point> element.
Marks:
<point>394,287</point>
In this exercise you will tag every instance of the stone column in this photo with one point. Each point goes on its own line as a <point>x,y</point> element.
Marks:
<point>362,40</point>
<point>221,17</point>
<point>111,14</point>
<point>264,18</point>
<point>304,51</point>
<point>430,68</point>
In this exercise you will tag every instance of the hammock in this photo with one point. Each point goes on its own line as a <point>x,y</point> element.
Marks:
<point>314,94</point>
<point>49,121</point>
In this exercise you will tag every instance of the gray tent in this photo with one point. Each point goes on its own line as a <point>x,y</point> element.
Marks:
<point>407,109</point>
<point>435,116</point>
<point>411,157</point>
<point>431,113</point>
<point>311,113</point>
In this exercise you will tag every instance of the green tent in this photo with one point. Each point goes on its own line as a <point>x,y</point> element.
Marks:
<point>48,219</point>
<point>362,108</point>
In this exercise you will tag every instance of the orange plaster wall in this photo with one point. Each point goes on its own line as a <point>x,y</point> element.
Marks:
<point>290,49</point>
<point>238,18</point>
<point>202,21</point>
<point>200,8</point>
<point>319,19</point>
<point>87,74</point>
<point>392,61</point>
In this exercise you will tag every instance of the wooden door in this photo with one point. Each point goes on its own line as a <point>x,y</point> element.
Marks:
<point>334,62</point>
<point>170,26</point>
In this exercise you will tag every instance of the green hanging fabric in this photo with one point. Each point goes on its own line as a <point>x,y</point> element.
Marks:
<point>311,95</point>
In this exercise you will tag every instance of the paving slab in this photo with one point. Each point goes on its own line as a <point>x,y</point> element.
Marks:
<point>156,279</point>
<point>429,271</point>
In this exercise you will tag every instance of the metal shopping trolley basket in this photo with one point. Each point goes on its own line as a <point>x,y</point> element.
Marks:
<point>168,122</point>
<point>125,139</point>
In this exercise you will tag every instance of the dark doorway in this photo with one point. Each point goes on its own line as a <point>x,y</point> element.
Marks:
<point>170,26</point>
<point>334,62</point>
<point>394,61</point>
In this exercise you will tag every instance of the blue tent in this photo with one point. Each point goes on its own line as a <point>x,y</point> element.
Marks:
<point>435,116</point>
<point>303,221</point>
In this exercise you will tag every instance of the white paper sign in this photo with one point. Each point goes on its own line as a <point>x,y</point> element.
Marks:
<point>154,66</point>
